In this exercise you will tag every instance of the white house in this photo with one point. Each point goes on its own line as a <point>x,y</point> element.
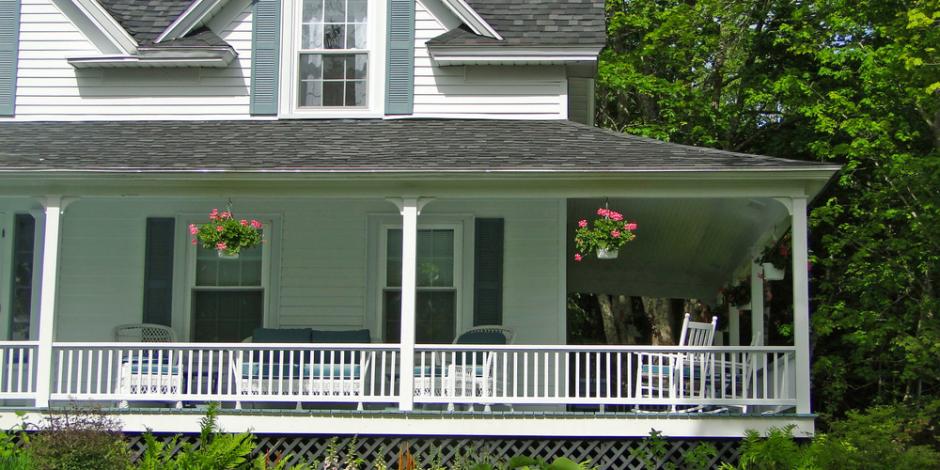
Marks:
<point>419,167</point>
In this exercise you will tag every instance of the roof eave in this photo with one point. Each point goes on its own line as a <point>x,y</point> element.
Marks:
<point>472,19</point>
<point>464,55</point>
<point>198,13</point>
<point>106,25</point>
<point>208,57</point>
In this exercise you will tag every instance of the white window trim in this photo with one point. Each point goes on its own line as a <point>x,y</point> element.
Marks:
<point>459,288</point>
<point>291,16</point>
<point>186,258</point>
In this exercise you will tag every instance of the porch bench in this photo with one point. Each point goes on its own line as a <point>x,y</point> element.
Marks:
<point>307,372</point>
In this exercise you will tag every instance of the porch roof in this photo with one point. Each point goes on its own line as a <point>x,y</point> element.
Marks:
<point>357,146</point>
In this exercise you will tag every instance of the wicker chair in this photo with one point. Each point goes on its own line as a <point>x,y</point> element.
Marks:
<point>144,374</point>
<point>476,376</point>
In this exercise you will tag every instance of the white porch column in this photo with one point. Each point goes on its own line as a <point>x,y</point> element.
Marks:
<point>757,302</point>
<point>50,272</point>
<point>734,326</point>
<point>801,305</point>
<point>409,261</point>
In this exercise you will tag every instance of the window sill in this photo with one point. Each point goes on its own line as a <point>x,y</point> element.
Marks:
<point>332,114</point>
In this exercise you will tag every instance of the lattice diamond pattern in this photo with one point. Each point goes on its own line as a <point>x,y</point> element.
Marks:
<point>605,453</point>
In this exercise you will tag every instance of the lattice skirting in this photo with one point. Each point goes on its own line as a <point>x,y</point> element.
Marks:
<point>605,453</point>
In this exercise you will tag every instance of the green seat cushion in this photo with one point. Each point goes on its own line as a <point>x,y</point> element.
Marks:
<point>315,371</point>
<point>281,335</point>
<point>341,336</point>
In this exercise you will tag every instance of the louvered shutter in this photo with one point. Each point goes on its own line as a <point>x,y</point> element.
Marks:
<point>9,48</point>
<point>158,271</point>
<point>265,56</point>
<point>399,81</point>
<point>488,272</point>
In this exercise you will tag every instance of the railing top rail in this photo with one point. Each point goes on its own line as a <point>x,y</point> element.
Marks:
<point>230,346</point>
<point>601,348</point>
<point>18,343</point>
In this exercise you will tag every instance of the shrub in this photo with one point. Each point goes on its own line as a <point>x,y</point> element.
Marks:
<point>79,439</point>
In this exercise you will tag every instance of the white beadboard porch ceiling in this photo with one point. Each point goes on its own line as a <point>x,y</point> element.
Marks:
<point>685,248</point>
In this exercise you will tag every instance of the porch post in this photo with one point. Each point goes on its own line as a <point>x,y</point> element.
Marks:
<point>757,302</point>
<point>409,261</point>
<point>734,326</point>
<point>50,272</point>
<point>801,305</point>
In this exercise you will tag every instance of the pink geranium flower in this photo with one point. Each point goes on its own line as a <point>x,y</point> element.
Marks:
<point>219,228</point>
<point>603,212</point>
<point>582,223</point>
<point>615,233</point>
<point>255,224</point>
<point>194,241</point>
<point>243,222</point>
<point>631,226</point>
<point>226,215</point>
<point>221,246</point>
<point>214,214</point>
<point>616,216</point>
<point>578,257</point>
<point>193,229</point>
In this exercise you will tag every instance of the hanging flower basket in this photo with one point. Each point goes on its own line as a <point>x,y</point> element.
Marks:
<point>772,272</point>
<point>226,234</point>
<point>604,236</point>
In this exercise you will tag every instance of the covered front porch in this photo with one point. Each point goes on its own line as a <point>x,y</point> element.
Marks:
<point>365,280</point>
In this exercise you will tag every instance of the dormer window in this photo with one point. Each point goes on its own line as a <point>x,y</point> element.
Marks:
<point>335,62</point>
<point>334,53</point>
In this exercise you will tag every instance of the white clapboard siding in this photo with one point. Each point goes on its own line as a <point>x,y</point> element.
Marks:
<point>521,92</point>
<point>322,270</point>
<point>49,88</point>
<point>581,100</point>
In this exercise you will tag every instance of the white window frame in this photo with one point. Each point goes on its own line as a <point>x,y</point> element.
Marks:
<point>382,268</point>
<point>189,285</point>
<point>291,19</point>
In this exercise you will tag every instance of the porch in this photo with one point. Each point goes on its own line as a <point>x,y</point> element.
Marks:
<point>373,238</point>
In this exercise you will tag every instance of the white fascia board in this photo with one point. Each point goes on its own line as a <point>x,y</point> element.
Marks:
<point>197,14</point>
<point>108,26</point>
<point>212,59</point>
<point>501,54</point>
<point>472,19</point>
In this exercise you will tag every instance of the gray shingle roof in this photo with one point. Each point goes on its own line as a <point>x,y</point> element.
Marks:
<point>534,23</point>
<point>145,19</point>
<point>373,145</point>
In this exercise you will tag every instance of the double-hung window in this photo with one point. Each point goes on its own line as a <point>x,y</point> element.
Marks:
<point>333,54</point>
<point>228,294</point>
<point>437,284</point>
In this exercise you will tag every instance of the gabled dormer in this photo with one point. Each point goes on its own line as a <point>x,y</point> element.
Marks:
<point>210,59</point>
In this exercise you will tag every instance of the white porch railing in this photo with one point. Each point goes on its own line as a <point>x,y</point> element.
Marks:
<point>605,375</point>
<point>644,377</point>
<point>18,369</point>
<point>229,372</point>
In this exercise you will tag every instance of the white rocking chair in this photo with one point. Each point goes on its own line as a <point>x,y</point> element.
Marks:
<point>661,374</point>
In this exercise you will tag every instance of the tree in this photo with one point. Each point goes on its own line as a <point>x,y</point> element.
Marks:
<point>847,81</point>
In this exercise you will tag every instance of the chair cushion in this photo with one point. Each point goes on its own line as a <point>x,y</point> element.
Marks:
<point>154,369</point>
<point>343,336</point>
<point>281,335</point>
<point>481,337</point>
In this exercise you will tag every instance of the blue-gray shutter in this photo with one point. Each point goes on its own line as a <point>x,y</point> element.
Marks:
<point>265,56</point>
<point>488,272</point>
<point>400,70</point>
<point>158,271</point>
<point>9,51</point>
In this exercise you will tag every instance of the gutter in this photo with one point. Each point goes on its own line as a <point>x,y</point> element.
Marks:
<point>214,57</point>
<point>460,55</point>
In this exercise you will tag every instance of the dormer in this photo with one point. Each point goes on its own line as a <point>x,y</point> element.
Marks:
<point>213,59</point>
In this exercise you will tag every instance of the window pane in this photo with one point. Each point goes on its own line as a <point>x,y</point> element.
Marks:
<point>333,93</point>
<point>334,36</point>
<point>356,93</point>
<point>313,11</point>
<point>215,271</point>
<point>311,93</point>
<point>393,264</point>
<point>311,67</point>
<point>356,66</point>
<point>435,317</point>
<point>229,316</point>
<point>335,11</point>
<point>334,67</point>
<point>435,258</point>
<point>24,234</point>
<point>312,36</point>
<point>358,11</point>
<point>356,36</point>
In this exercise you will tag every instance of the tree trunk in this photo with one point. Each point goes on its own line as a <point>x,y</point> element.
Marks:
<point>659,313</point>
<point>617,315</point>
